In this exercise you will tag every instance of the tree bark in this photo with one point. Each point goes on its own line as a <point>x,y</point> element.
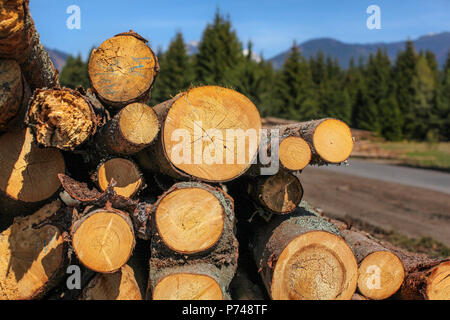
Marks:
<point>294,251</point>
<point>20,41</point>
<point>33,255</point>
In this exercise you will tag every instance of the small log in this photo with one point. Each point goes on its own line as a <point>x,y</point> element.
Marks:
<point>380,272</point>
<point>195,246</point>
<point>135,127</point>
<point>280,193</point>
<point>61,118</point>
<point>124,172</point>
<point>196,139</point>
<point>302,257</point>
<point>330,140</point>
<point>103,239</point>
<point>294,153</point>
<point>28,174</point>
<point>20,41</point>
<point>33,256</point>
<point>122,70</point>
<point>120,285</point>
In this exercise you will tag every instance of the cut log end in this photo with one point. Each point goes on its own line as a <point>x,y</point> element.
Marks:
<point>11,91</point>
<point>186,286</point>
<point>438,286</point>
<point>207,149</point>
<point>60,118</point>
<point>28,173</point>
<point>103,240</point>
<point>311,256</point>
<point>381,274</point>
<point>294,153</point>
<point>139,124</point>
<point>281,193</point>
<point>124,172</point>
<point>333,140</point>
<point>122,70</point>
<point>190,220</point>
<point>120,285</point>
<point>31,256</point>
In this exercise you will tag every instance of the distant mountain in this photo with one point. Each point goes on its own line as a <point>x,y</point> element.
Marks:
<point>438,43</point>
<point>58,58</point>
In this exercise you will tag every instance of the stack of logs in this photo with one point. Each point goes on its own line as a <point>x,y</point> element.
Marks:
<point>142,198</point>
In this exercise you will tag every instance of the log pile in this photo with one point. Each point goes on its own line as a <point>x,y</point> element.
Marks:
<point>170,201</point>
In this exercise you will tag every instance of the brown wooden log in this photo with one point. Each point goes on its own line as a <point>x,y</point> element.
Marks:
<point>357,296</point>
<point>194,141</point>
<point>280,193</point>
<point>19,40</point>
<point>103,239</point>
<point>135,127</point>
<point>123,69</point>
<point>32,256</point>
<point>380,271</point>
<point>197,248</point>
<point>28,174</point>
<point>301,256</point>
<point>126,174</point>
<point>120,285</point>
<point>330,140</point>
<point>61,118</point>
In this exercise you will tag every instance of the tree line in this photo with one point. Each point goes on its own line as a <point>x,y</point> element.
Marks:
<point>408,98</point>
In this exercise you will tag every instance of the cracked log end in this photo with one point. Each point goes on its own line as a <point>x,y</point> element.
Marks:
<point>31,255</point>
<point>11,91</point>
<point>124,172</point>
<point>380,275</point>
<point>294,153</point>
<point>122,70</point>
<point>120,285</point>
<point>189,220</point>
<point>210,152</point>
<point>103,240</point>
<point>28,173</point>
<point>333,140</point>
<point>60,118</point>
<point>187,286</point>
<point>139,124</point>
<point>316,265</point>
<point>438,284</point>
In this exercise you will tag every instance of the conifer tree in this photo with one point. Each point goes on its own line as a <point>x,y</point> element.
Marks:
<point>74,73</point>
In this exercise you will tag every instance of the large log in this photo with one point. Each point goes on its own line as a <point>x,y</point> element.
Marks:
<point>135,127</point>
<point>330,140</point>
<point>61,118</point>
<point>28,174</point>
<point>301,257</point>
<point>20,41</point>
<point>380,272</point>
<point>120,285</point>
<point>32,255</point>
<point>193,243</point>
<point>204,135</point>
<point>280,193</point>
<point>14,95</point>
<point>103,239</point>
<point>123,69</point>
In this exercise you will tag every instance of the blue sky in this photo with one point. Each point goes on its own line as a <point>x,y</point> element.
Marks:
<point>271,25</point>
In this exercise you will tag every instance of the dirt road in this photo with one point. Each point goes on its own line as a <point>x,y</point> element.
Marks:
<point>407,209</point>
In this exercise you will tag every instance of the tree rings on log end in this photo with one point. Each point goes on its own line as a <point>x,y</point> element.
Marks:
<point>189,220</point>
<point>103,240</point>
<point>333,140</point>
<point>294,153</point>
<point>28,173</point>
<point>211,133</point>
<point>380,275</point>
<point>187,286</point>
<point>438,286</point>
<point>316,265</point>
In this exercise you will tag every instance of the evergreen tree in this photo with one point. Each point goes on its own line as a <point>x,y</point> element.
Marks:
<point>159,92</point>
<point>443,106</point>
<point>220,54</point>
<point>317,66</point>
<point>74,73</point>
